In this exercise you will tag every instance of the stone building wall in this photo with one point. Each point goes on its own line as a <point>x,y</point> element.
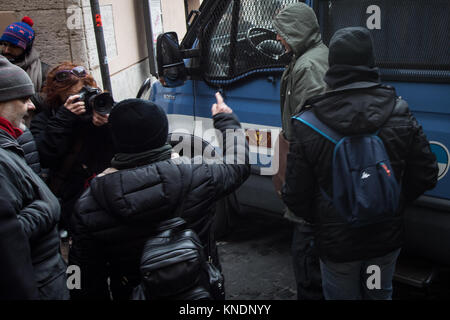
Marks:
<point>64,32</point>
<point>54,40</point>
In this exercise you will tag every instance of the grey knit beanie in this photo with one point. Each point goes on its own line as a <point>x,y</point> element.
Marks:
<point>14,82</point>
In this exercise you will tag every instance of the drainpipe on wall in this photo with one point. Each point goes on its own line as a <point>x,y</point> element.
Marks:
<point>101,48</point>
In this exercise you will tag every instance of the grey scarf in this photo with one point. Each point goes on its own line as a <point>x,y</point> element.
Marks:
<point>32,65</point>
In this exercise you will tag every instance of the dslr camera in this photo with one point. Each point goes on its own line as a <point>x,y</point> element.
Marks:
<point>96,100</point>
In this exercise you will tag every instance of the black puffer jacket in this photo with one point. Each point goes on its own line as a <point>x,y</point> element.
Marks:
<point>115,216</point>
<point>27,143</point>
<point>57,134</point>
<point>30,265</point>
<point>357,108</point>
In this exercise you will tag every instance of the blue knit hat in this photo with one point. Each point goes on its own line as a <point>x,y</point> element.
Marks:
<point>20,34</point>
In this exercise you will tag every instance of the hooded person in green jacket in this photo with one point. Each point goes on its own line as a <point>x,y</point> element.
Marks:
<point>298,31</point>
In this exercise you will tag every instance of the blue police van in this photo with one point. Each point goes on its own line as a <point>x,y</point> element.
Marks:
<point>230,47</point>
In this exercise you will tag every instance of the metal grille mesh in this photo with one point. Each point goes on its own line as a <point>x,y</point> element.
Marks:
<point>414,34</point>
<point>229,52</point>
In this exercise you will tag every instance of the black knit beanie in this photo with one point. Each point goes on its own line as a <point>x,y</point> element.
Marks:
<point>351,46</point>
<point>14,82</point>
<point>138,125</point>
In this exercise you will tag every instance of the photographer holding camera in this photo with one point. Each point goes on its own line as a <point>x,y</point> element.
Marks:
<point>72,133</point>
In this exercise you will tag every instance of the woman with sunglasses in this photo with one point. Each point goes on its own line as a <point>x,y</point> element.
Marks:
<point>73,141</point>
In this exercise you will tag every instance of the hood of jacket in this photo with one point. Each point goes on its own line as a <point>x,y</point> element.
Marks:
<point>140,194</point>
<point>356,108</point>
<point>298,26</point>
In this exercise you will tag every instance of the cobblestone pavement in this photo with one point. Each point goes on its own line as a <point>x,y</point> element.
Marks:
<point>256,260</point>
<point>257,264</point>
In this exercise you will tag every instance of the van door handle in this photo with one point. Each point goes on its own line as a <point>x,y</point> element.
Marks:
<point>271,79</point>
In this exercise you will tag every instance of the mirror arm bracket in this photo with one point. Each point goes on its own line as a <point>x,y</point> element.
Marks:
<point>190,53</point>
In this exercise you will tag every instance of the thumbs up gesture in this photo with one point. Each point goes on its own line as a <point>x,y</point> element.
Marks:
<point>220,106</point>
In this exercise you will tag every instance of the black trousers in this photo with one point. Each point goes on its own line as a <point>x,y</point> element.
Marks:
<point>306,263</point>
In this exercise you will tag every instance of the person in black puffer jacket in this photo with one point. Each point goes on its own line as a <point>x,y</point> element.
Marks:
<point>27,143</point>
<point>31,266</point>
<point>114,217</point>
<point>73,141</point>
<point>356,103</point>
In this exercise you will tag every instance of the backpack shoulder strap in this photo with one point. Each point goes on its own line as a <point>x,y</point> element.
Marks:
<point>309,118</point>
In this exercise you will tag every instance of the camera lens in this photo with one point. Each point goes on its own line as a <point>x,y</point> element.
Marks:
<point>103,103</point>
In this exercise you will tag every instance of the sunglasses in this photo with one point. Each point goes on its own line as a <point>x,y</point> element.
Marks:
<point>64,75</point>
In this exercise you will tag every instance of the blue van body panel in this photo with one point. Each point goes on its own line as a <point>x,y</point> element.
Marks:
<point>430,104</point>
<point>254,101</point>
<point>179,100</point>
<point>425,97</point>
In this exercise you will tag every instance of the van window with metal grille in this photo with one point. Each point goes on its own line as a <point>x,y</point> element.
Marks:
<point>408,34</point>
<point>241,40</point>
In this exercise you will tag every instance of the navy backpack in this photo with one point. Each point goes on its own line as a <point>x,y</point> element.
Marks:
<point>365,190</point>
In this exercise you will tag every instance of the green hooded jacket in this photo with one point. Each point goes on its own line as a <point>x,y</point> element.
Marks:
<point>303,78</point>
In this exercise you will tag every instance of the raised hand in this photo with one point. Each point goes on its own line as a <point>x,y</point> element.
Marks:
<point>220,106</point>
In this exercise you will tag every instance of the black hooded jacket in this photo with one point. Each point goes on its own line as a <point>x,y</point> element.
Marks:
<point>59,134</point>
<point>355,107</point>
<point>115,216</point>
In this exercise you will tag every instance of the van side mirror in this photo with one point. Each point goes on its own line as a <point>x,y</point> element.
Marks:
<point>171,69</point>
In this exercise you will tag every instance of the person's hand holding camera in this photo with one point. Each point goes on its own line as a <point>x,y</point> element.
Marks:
<point>74,105</point>
<point>99,119</point>
<point>220,106</point>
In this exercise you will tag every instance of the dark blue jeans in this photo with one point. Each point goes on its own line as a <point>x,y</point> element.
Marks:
<point>359,280</point>
<point>306,263</point>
